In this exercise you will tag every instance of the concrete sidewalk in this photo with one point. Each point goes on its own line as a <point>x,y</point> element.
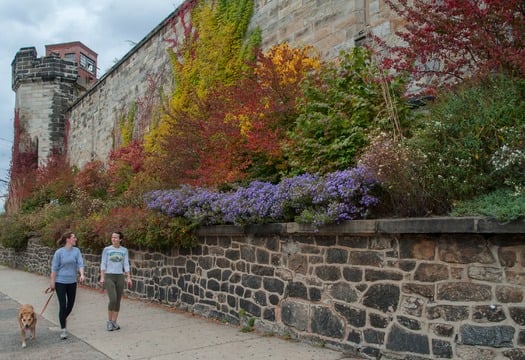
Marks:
<point>148,331</point>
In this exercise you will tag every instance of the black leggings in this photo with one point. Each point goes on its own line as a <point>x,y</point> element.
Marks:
<point>66,294</point>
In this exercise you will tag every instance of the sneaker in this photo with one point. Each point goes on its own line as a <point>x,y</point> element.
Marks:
<point>110,325</point>
<point>115,325</point>
<point>63,336</point>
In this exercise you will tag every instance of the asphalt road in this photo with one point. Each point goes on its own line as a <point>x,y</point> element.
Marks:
<point>46,345</point>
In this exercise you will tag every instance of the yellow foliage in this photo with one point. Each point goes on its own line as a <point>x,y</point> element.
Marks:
<point>215,56</point>
<point>291,64</point>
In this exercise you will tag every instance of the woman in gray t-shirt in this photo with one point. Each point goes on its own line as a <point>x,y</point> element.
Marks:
<point>113,267</point>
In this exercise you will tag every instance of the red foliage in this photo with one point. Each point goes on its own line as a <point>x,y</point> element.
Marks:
<point>55,167</point>
<point>184,18</point>
<point>92,179</point>
<point>201,150</point>
<point>24,163</point>
<point>237,128</point>
<point>132,155</point>
<point>56,176</point>
<point>123,164</point>
<point>455,39</point>
<point>147,104</point>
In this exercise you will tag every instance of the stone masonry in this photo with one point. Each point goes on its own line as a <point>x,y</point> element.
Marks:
<point>329,25</point>
<point>389,289</point>
<point>45,88</point>
<point>55,115</point>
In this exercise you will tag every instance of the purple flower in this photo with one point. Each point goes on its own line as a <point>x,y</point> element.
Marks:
<point>314,199</point>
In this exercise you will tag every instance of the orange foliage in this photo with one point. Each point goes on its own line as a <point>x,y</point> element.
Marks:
<point>93,179</point>
<point>238,131</point>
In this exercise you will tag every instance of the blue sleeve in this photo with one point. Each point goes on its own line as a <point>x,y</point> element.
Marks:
<point>55,263</point>
<point>80,261</point>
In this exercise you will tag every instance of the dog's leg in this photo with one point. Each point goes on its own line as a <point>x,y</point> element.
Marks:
<point>23,337</point>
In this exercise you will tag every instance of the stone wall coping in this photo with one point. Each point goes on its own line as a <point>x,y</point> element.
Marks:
<point>430,225</point>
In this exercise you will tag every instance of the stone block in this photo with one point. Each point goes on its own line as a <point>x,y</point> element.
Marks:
<point>383,297</point>
<point>251,281</point>
<point>442,349</point>
<point>352,274</point>
<point>327,323</point>
<point>518,315</point>
<point>442,330</point>
<point>336,256</point>
<point>464,291</point>
<point>295,314</point>
<point>431,272</point>
<point>343,292</point>
<point>426,291</point>
<point>373,336</point>
<point>328,273</point>
<point>448,312</point>
<point>488,313</point>
<point>262,270</point>
<point>379,275</point>
<point>411,324</point>
<point>493,336</point>
<point>404,341</point>
<point>250,307</point>
<point>296,289</point>
<point>354,316</point>
<point>464,250</point>
<point>485,273</point>
<point>509,294</point>
<point>366,258</point>
<point>378,321</point>
<point>273,285</point>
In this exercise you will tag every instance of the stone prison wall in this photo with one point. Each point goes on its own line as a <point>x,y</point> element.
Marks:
<point>391,289</point>
<point>329,26</point>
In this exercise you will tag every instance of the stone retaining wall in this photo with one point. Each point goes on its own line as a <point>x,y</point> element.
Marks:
<point>389,289</point>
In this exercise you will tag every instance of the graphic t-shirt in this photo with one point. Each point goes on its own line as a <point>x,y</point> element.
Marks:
<point>115,260</point>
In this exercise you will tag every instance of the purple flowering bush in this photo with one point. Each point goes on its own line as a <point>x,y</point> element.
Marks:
<point>307,198</point>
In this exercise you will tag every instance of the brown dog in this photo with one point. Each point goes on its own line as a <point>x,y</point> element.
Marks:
<point>27,321</point>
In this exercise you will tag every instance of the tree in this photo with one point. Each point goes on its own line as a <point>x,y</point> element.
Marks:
<point>446,41</point>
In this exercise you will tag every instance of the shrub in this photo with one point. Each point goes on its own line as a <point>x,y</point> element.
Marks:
<point>342,195</point>
<point>462,134</point>
<point>51,221</point>
<point>508,160</point>
<point>93,179</point>
<point>502,205</point>
<point>14,232</point>
<point>342,105</point>
<point>402,192</point>
<point>124,164</point>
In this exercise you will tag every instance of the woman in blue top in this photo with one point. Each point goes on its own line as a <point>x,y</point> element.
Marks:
<point>67,260</point>
<point>113,267</point>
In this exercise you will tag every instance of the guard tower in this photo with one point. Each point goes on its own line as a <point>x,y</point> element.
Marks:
<point>84,57</point>
<point>45,88</point>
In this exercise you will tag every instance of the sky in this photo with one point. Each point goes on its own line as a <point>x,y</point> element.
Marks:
<point>108,27</point>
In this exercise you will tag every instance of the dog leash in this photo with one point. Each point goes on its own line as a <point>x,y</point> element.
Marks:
<point>47,291</point>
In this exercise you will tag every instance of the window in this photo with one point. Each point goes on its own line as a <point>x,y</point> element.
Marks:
<point>71,57</point>
<point>87,63</point>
